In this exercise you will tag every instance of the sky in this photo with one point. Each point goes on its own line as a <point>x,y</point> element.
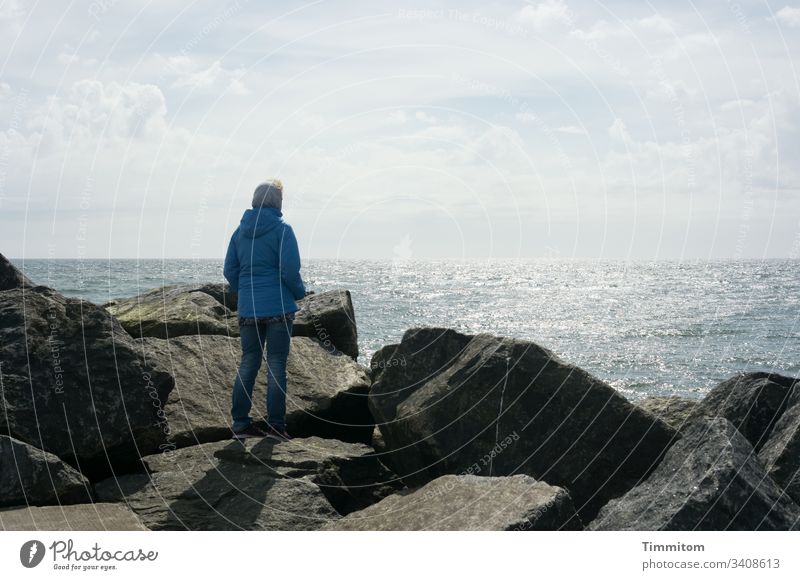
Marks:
<point>432,130</point>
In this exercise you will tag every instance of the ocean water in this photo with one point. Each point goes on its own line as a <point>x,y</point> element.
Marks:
<point>645,328</point>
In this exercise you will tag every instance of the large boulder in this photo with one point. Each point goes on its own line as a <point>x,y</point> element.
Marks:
<point>256,485</point>
<point>329,317</point>
<point>710,480</point>
<point>753,402</point>
<point>326,393</point>
<point>674,411</point>
<point>10,276</point>
<point>219,291</point>
<point>781,452</point>
<point>470,502</point>
<point>97,517</point>
<point>172,311</point>
<point>192,310</point>
<point>74,384</point>
<point>447,402</point>
<point>30,476</point>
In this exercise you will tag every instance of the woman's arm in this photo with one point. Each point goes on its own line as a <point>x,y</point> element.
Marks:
<point>290,263</point>
<point>231,268</point>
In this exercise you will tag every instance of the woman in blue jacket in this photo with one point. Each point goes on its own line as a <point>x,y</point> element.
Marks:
<point>263,266</point>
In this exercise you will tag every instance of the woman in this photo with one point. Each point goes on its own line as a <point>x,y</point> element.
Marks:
<point>263,266</point>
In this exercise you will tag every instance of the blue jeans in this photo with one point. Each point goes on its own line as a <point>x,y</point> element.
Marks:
<point>278,338</point>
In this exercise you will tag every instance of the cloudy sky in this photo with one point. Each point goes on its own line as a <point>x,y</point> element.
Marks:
<point>458,130</point>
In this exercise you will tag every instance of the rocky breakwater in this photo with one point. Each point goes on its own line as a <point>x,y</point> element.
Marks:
<point>473,432</point>
<point>258,485</point>
<point>112,409</point>
<point>326,391</point>
<point>210,309</point>
<point>450,403</point>
<point>74,384</point>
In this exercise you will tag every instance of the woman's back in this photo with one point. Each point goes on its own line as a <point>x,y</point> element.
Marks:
<point>263,264</point>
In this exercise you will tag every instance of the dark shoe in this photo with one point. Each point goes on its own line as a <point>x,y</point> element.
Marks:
<point>249,432</point>
<point>279,434</point>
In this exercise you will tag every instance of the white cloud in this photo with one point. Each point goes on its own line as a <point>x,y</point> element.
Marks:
<point>527,117</point>
<point>572,130</point>
<point>789,16</point>
<point>397,117</point>
<point>10,9</point>
<point>69,56</point>
<point>657,22</point>
<point>685,46</point>
<point>90,117</point>
<point>644,30</point>
<point>424,117</point>
<point>736,105</point>
<point>190,73</point>
<point>669,90</point>
<point>446,133</point>
<point>726,164</point>
<point>601,30</point>
<point>376,101</point>
<point>67,59</point>
<point>618,131</point>
<point>545,14</point>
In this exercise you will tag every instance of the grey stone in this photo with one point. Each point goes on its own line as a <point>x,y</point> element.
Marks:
<point>449,403</point>
<point>256,485</point>
<point>30,476</point>
<point>469,502</point>
<point>83,517</point>
<point>326,393</point>
<point>674,411</point>
<point>329,317</point>
<point>172,311</point>
<point>781,452</point>
<point>74,384</point>
<point>711,479</point>
<point>192,310</point>
<point>221,292</point>
<point>753,402</point>
<point>10,276</point>
<point>377,442</point>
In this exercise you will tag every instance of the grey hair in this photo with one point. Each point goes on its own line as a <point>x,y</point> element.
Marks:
<point>269,194</point>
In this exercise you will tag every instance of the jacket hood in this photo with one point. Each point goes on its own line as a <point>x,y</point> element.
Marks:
<point>257,222</point>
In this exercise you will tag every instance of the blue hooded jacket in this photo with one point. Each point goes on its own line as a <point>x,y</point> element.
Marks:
<point>263,264</point>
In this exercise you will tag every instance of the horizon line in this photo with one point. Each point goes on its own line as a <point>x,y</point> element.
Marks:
<point>410,260</point>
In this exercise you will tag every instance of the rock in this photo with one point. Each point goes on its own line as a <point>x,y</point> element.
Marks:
<point>447,402</point>
<point>73,383</point>
<point>258,485</point>
<point>753,402</point>
<point>221,292</point>
<point>330,318</point>
<point>30,476</point>
<point>469,502</point>
<point>204,368</point>
<point>674,411</point>
<point>84,517</point>
<point>710,480</point>
<point>10,276</point>
<point>781,452</point>
<point>326,394</point>
<point>172,311</point>
<point>377,442</point>
<point>192,310</point>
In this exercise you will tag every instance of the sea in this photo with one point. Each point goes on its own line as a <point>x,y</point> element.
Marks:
<point>646,328</point>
